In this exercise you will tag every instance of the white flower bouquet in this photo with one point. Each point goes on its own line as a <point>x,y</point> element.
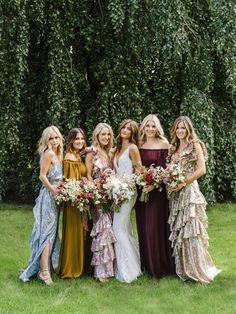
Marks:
<point>117,189</point>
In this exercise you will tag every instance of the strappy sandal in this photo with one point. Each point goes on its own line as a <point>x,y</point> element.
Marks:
<point>44,275</point>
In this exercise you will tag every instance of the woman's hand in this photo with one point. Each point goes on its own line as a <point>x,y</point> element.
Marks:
<point>97,183</point>
<point>148,188</point>
<point>54,190</point>
<point>179,187</point>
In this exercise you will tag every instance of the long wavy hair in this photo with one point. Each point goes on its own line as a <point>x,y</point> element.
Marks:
<point>103,152</point>
<point>159,133</point>
<point>72,137</point>
<point>134,133</point>
<point>191,134</point>
<point>44,142</point>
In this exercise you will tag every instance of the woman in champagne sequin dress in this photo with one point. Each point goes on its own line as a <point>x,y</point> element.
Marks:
<point>188,219</point>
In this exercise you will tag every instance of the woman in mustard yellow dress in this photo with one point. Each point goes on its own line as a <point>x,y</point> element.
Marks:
<point>75,254</point>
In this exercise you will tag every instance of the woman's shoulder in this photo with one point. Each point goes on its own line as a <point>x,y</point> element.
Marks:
<point>193,145</point>
<point>164,144</point>
<point>70,157</point>
<point>90,150</point>
<point>133,147</point>
<point>48,155</point>
<point>197,147</point>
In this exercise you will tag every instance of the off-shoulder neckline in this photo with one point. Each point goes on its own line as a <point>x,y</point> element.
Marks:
<point>153,148</point>
<point>72,160</point>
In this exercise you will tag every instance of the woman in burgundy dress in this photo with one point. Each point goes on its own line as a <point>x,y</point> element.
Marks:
<point>152,216</point>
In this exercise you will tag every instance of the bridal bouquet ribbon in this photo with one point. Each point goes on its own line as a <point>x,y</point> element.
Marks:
<point>116,189</point>
<point>152,176</point>
<point>80,193</point>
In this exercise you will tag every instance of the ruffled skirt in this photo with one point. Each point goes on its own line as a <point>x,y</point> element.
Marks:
<point>189,238</point>
<point>102,245</point>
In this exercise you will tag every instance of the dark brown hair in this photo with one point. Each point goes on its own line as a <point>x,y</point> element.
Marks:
<point>134,133</point>
<point>71,138</point>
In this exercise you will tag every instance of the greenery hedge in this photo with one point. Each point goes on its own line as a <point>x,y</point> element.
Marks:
<point>75,63</point>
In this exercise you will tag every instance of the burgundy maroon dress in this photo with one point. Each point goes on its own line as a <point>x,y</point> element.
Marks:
<point>152,223</point>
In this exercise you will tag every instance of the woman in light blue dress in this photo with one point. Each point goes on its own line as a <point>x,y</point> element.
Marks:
<point>44,241</point>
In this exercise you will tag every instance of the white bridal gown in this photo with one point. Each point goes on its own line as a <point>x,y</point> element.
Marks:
<point>126,247</point>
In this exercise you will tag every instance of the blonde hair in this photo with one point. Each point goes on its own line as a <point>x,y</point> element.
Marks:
<point>102,152</point>
<point>191,134</point>
<point>134,133</point>
<point>159,134</point>
<point>44,142</point>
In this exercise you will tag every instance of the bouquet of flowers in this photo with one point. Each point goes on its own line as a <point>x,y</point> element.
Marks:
<point>174,175</point>
<point>80,193</point>
<point>116,189</point>
<point>68,191</point>
<point>88,196</point>
<point>152,176</point>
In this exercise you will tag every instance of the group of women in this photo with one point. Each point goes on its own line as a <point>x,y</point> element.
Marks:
<point>172,233</point>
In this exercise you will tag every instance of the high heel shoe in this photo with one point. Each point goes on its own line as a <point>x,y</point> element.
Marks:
<point>44,275</point>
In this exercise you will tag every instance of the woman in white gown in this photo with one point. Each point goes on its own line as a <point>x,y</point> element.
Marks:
<point>126,158</point>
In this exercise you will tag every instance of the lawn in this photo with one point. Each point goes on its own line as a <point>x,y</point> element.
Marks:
<point>85,295</point>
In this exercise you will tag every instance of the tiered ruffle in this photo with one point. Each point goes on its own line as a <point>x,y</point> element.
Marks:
<point>102,246</point>
<point>189,237</point>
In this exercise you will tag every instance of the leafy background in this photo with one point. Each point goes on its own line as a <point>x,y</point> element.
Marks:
<point>76,63</point>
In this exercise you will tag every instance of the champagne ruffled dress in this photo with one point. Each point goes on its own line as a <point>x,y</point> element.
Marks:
<point>188,223</point>
<point>75,253</point>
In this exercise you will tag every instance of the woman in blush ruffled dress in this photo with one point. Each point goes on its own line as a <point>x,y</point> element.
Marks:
<point>188,220</point>
<point>75,253</point>
<point>44,242</point>
<point>98,160</point>
<point>152,216</point>
<point>126,160</point>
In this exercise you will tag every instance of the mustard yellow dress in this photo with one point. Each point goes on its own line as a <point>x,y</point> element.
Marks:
<point>75,253</point>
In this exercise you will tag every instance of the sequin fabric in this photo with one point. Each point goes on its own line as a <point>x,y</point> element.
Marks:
<point>188,223</point>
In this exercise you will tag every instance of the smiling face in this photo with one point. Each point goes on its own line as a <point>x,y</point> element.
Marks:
<point>181,131</point>
<point>150,129</point>
<point>79,142</point>
<point>104,137</point>
<point>126,131</point>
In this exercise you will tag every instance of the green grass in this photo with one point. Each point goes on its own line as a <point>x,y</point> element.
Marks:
<point>85,295</point>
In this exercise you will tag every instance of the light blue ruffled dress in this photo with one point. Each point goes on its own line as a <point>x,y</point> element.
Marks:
<point>46,214</point>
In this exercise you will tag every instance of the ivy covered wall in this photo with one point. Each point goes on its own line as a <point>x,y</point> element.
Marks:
<point>76,63</point>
